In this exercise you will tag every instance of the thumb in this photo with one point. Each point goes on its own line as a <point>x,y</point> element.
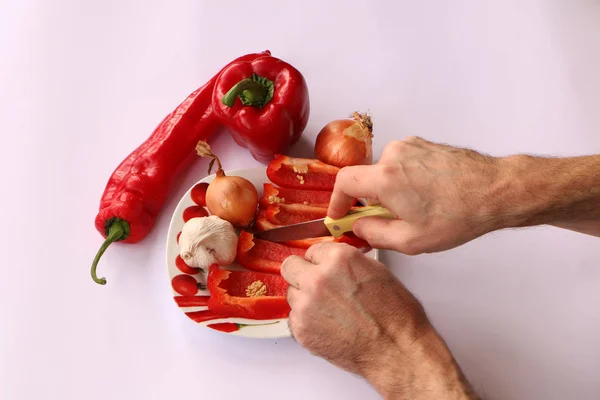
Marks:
<point>389,234</point>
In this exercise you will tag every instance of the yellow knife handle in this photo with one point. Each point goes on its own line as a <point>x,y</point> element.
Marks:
<point>338,227</point>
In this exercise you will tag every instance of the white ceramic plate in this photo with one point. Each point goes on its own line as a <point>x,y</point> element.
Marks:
<point>263,329</point>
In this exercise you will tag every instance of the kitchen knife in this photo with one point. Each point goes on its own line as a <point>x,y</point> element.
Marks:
<point>324,226</point>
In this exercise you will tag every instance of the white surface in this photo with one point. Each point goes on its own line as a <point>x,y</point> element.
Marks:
<point>83,83</point>
<point>263,329</point>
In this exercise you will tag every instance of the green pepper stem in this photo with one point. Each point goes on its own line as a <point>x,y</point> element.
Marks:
<point>255,91</point>
<point>117,230</point>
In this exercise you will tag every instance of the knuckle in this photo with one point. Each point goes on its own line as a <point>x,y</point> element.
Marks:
<point>341,252</point>
<point>344,176</point>
<point>413,139</point>
<point>394,147</point>
<point>375,236</point>
<point>288,264</point>
<point>319,281</point>
<point>388,176</point>
<point>388,172</point>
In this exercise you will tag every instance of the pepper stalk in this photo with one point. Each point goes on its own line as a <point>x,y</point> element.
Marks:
<point>255,91</point>
<point>116,230</point>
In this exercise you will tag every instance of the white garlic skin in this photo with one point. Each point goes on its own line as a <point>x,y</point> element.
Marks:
<point>208,240</point>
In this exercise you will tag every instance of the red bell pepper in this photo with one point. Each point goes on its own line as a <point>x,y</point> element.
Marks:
<point>276,195</point>
<point>289,214</point>
<point>264,104</point>
<point>262,255</point>
<point>137,189</point>
<point>245,294</point>
<point>302,173</point>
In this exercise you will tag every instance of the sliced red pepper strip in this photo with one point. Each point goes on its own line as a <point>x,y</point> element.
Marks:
<point>204,315</point>
<point>247,294</point>
<point>301,173</point>
<point>289,214</point>
<point>262,255</point>
<point>348,238</point>
<point>261,223</point>
<point>233,326</point>
<point>227,327</point>
<point>276,195</point>
<point>191,301</point>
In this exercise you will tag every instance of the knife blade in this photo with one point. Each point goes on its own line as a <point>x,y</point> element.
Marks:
<point>324,226</point>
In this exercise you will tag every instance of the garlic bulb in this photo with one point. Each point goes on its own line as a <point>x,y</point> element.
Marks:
<point>208,240</point>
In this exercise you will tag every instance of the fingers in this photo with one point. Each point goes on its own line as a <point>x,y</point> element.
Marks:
<point>293,268</point>
<point>317,253</point>
<point>350,183</point>
<point>292,296</point>
<point>390,234</point>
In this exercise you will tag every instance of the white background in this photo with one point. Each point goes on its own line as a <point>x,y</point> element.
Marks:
<point>83,83</point>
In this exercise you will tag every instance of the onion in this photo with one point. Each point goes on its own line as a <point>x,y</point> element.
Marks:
<point>231,198</point>
<point>346,142</point>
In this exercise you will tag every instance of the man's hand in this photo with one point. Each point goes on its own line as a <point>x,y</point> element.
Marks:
<point>350,310</point>
<point>445,196</point>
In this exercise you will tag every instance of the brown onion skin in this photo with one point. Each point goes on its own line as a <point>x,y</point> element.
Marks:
<point>233,199</point>
<point>333,147</point>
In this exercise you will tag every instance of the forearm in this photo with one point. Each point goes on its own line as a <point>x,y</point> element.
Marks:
<point>563,192</point>
<point>430,373</point>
